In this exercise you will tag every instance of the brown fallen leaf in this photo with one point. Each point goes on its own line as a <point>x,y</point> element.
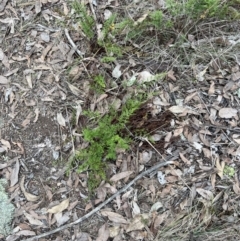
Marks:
<point>211,90</point>
<point>120,176</point>
<point>189,97</point>
<point>114,217</point>
<point>15,172</point>
<point>4,80</point>
<point>60,119</point>
<point>30,197</point>
<point>138,222</point>
<point>220,167</point>
<point>206,194</point>
<point>61,219</point>
<point>184,159</point>
<point>227,113</point>
<point>74,89</point>
<point>33,220</point>
<point>25,233</point>
<point>103,233</point>
<point>170,75</point>
<point>177,109</point>
<point>6,143</point>
<point>60,207</point>
<point>160,219</point>
<point>114,231</point>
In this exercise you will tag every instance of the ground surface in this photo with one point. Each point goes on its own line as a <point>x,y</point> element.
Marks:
<point>193,119</point>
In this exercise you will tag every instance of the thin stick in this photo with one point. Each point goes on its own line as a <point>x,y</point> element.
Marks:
<point>148,171</point>
<point>72,43</point>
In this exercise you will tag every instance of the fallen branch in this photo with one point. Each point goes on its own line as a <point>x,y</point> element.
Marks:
<point>148,171</point>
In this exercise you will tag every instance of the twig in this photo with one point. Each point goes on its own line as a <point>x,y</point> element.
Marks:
<point>92,9</point>
<point>72,43</point>
<point>98,208</point>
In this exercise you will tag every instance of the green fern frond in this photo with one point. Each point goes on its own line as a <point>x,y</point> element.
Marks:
<point>87,22</point>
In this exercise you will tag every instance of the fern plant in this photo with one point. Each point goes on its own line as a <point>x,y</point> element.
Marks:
<point>87,22</point>
<point>104,140</point>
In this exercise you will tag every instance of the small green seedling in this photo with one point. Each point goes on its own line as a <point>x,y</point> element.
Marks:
<point>99,84</point>
<point>229,171</point>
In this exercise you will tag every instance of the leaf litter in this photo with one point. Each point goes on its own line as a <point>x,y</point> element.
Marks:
<point>36,111</point>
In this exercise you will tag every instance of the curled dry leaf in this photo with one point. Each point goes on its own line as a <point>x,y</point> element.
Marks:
<point>60,207</point>
<point>220,167</point>
<point>30,197</point>
<point>227,113</point>
<point>156,206</point>
<point>116,73</point>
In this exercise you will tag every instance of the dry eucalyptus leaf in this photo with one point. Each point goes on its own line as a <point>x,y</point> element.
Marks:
<point>114,231</point>
<point>14,175</point>
<point>137,223</point>
<point>114,217</point>
<point>6,144</point>
<point>30,197</point>
<point>60,207</point>
<point>177,109</point>
<point>74,89</point>
<point>220,167</point>
<point>227,113</point>
<point>60,119</point>
<point>120,176</point>
<point>33,220</point>
<point>103,233</point>
<point>135,208</point>
<point>4,80</point>
<point>208,195</point>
